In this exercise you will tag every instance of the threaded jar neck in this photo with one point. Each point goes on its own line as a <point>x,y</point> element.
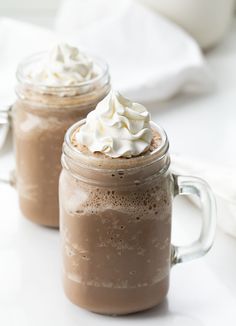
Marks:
<point>105,170</point>
<point>86,92</point>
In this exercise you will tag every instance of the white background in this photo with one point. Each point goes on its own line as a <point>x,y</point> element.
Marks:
<point>28,5</point>
<point>40,12</point>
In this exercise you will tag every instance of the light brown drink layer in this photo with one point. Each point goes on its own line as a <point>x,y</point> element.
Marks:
<point>116,238</point>
<point>40,122</point>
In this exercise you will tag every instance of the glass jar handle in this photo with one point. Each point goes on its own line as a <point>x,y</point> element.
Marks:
<point>10,180</point>
<point>185,185</point>
<point>5,123</point>
<point>5,118</point>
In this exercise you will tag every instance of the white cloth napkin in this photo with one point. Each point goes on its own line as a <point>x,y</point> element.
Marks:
<point>222,180</point>
<point>150,58</point>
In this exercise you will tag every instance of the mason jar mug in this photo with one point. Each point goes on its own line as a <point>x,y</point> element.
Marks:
<point>115,223</point>
<point>40,116</point>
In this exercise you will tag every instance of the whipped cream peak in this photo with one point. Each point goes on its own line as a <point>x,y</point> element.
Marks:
<point>117,128</point>
<point>63,65</point>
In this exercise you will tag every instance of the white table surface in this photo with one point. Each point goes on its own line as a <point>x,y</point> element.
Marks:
<point>202,292</point>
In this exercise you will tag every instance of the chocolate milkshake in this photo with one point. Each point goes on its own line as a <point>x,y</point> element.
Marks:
<point>115,210</point>
<point>54,90</point>
<point>116,194</point>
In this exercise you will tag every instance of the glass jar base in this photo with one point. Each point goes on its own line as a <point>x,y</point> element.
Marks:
<point>110,301</point>
<point>40,219</point>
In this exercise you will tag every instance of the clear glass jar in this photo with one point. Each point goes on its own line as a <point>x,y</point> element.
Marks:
<point>115,222</point>
<point>41,116</point>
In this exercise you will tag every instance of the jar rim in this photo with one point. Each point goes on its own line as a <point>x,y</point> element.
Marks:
<point>102,164</point>
<point>22,78</point>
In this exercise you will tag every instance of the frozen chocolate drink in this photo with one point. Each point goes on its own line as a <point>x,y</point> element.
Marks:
<point>115,210</point>
<point>54,90</point>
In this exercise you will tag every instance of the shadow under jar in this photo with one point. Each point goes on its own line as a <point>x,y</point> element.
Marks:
<point>41,116</point>
<point>115,223</point>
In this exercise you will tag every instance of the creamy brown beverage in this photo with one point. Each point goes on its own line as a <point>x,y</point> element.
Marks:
<point>116,196</point>
<point>54,90</point>
<point>116,228</point>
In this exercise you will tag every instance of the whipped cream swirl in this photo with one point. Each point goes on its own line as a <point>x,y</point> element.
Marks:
<point>117,128</point>
<point>63,65</point>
